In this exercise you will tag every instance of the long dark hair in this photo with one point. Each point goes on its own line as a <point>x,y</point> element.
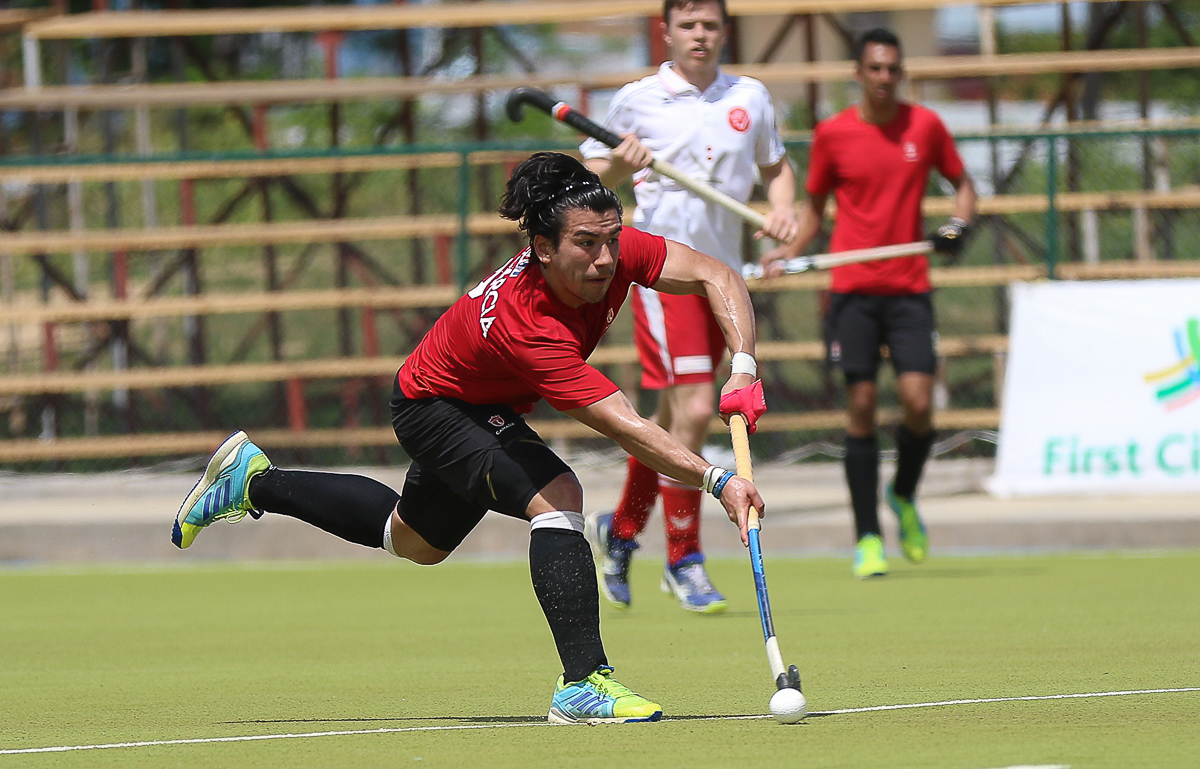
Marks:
<point>545,186</point>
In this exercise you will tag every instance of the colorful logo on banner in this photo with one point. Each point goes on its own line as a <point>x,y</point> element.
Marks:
<point>1179,385</point>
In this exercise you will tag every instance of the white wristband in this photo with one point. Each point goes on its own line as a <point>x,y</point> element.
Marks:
<point>744,363</point>
<point>711,476</point>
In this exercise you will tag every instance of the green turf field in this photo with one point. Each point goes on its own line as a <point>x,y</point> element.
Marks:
<point>452,666</point>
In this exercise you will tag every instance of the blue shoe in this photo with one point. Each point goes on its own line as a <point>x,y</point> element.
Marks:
<point>614,555</point>
<point>914,541</point>
<point>223,492</point>
<point>598,699</point>
<point>688,581</point>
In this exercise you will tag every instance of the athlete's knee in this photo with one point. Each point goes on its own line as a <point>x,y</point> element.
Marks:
<point>862,399</point>
<point>699,410</point>
<point>400,540</point>
<point>918,407</point>
<point>428,557</point>
<point>563,493</point>
<point>916,397</point>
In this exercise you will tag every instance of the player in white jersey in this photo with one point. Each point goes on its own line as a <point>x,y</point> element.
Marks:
<point>719,128</point>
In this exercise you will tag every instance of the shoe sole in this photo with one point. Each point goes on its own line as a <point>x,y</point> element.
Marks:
<point>215,465</point>
<point>716,607</point>
<point>556,716</point>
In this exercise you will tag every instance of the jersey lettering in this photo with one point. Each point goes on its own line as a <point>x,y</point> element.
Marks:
<point>489,289</point>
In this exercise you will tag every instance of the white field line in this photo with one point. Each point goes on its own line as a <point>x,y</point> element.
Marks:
<point>463,727</point>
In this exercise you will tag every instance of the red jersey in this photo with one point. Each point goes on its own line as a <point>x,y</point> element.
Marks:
<point>878,176</point>
<point>511,341</point>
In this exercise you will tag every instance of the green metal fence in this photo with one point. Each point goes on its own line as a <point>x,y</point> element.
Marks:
<point>1051,199</point>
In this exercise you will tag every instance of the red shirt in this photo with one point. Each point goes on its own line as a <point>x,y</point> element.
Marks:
<point>878,176</point>
<point>511,341</point>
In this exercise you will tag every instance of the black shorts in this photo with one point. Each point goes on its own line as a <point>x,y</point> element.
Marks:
<point>466,460</point>
<point>859,324</point>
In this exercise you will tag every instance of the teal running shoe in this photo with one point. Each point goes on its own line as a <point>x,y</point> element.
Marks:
<point>598,699</point>
<point>688,581</point>
<point>223,492</point>
<point>868,558</point>
<point>913,539</point>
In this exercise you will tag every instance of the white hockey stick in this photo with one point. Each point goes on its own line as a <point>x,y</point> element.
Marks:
<point>564,113</point>
<point>828,261</point>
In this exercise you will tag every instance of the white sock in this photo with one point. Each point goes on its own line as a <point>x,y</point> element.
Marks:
<point>558,519</point>
<point>387,537</point>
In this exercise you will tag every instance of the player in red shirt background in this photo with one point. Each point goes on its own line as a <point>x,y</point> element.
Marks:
<point>875,158</point>
<point>523,334</point>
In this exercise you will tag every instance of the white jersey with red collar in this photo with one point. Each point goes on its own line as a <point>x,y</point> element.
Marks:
<point>720,136</point>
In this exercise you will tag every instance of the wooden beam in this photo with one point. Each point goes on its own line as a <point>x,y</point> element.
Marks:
<point>63,171</point>
<point>232,21</point>
<point>407,297</point>
<point>197,376</point>
<point>12,19</point>
<point>62,382</point>
<point>217,235</point>
<point>398,227</point>
<point>313,91</point>
<point>222,168</point>
<point>201,443</point>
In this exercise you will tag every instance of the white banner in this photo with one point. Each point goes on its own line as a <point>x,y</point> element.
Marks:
<point>1102,391</point>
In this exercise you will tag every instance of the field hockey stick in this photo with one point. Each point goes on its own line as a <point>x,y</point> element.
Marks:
<point>784,678</point>
<point>565,113</point>
<point>839,258</point>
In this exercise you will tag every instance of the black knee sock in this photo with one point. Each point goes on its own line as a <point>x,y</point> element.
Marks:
<point>862,476</point>
<point>352,507</point>
<point>564,579</point>
<point>911,452</point>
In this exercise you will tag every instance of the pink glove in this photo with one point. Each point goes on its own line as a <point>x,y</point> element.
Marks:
<point>747,401</point>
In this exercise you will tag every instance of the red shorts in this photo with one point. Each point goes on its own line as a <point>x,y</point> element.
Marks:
<point>678,339</point>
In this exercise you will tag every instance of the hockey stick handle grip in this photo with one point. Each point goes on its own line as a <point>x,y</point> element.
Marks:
<point>739,435</point>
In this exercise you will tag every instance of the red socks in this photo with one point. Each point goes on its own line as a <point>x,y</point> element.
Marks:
<point>637,500</point>
<point>681,512</point>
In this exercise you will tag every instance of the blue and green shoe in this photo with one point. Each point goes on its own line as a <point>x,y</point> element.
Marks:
<point>223,492</point>
<point>869,560</point>
<point>598,699</point>
<point>914,542</point>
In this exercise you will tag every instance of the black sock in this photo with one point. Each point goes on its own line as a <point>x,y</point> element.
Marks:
<point>352,507</point>
<point>911,452</point>
<point>862,476</point>
<point>564,580</point>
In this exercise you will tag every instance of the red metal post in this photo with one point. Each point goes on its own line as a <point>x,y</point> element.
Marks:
<point>297,409</point>
<point>441,257</point>
<point>657,47</point>
<point>260,127</point>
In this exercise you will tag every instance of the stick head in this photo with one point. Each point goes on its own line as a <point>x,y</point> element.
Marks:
<point>514,106</point>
